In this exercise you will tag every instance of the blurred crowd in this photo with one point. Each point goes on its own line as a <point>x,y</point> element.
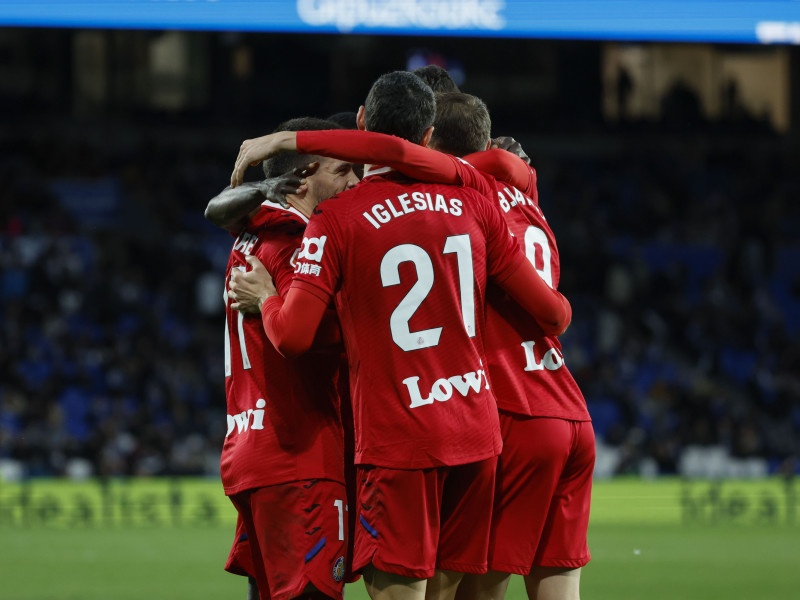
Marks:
<point>683,266</point>
<point>681,258</point>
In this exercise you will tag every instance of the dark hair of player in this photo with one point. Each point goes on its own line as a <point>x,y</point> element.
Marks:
<point>436,77</point>
<point>287,161</point>
<point>346,120</point>
<point>462,125</point>
<point>401,104</point>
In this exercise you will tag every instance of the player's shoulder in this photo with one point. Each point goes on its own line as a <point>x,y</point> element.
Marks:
<point>335,206</point>
<point>271,216</point>
<point>333,214</point>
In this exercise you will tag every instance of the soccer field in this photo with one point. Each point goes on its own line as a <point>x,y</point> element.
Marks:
<point>638,553</point>
<point>639,562</point>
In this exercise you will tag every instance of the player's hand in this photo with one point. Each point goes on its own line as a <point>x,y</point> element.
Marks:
<point>292,182</point>
<point>252,152</point>
<point>511,145</point>
<point>249,289</point>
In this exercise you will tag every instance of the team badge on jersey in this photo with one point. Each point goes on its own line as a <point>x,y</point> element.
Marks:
<point>338,569</point>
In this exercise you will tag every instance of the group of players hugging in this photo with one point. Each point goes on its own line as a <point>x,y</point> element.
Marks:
<point>398,403</point>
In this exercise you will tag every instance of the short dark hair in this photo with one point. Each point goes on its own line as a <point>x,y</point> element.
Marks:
<point>287,161</point>
<point>437,78</point>
<point>462,125</point>
<point>401,104</point>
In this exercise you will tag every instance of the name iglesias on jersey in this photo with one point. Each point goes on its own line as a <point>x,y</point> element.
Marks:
<point>386,211</point>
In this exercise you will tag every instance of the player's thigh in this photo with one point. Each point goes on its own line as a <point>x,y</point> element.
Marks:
<point>381,585</point>
<point>302,531</point>
<point>466,516</point>
<point>563,543</point>
<point>489,586</point>
<point>397,528</point>
<point>553,583</point>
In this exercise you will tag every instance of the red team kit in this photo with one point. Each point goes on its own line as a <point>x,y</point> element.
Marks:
<point>423,263</point>
<point>283,456</point>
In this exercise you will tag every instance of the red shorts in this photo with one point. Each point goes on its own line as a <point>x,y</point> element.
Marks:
<point>240,560</point>
<point>350,477</point>
<point>543,493</point>
<point>413,522</point>
<point>297,533</point>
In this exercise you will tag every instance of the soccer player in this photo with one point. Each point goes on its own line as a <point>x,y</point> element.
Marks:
<point>406,263</point>
<point>544,474</point>
<point>230,210</point>
<point>282,460</point>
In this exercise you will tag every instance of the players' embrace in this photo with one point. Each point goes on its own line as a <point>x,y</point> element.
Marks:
<point>461,451</point>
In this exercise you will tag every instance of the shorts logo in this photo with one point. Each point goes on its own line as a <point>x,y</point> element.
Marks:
<point>338,569</point>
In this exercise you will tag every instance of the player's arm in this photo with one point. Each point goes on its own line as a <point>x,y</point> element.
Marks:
<point>511,270</point>
<point>355,146</point>
<point>505,142</point>
<point>291,325</point>
<point>504,166</point>
<point>549,307</point>
<point>231,208</point>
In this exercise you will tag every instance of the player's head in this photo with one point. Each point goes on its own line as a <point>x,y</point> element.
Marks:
<point>332,177</point>
<point>437,78</point>
<point>286,161</point>
<point>401,104</point>
<point>462,125</point>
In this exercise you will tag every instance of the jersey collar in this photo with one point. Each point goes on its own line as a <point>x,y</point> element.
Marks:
<point>377,170</point>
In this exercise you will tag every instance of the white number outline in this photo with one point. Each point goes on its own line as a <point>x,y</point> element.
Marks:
<point>402,336</point>
<point>401,315</point>
<point>340,505</point>
<point>535,236</point>
<point>240,328</point>
<point>461,246</point>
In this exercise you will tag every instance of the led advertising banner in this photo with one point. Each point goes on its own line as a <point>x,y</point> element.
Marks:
<point>741,21</point>
<point>189,502</point>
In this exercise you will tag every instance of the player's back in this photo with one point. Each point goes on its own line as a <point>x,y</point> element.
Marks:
<point>413,260</point>
<point>283,422</point>
<point>526,366</point>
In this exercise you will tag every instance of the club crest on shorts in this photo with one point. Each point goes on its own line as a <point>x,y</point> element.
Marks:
<point>338,569</point>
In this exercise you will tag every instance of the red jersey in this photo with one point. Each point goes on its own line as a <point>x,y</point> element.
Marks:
<point>283,414</point>
<point>407,263</point>
<point>526,366</point>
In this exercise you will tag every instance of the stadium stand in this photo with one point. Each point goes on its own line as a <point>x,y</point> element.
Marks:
<point>682,266</point>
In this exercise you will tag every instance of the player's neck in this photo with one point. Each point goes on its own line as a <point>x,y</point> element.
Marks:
<point>305,205</point>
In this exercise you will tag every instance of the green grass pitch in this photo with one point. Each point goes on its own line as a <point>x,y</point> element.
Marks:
<point>642,545</point>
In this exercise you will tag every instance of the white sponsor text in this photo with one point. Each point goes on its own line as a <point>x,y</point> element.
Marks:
<point>442,389</point>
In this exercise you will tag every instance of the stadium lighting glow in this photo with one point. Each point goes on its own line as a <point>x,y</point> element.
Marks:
<point>742,21</point>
